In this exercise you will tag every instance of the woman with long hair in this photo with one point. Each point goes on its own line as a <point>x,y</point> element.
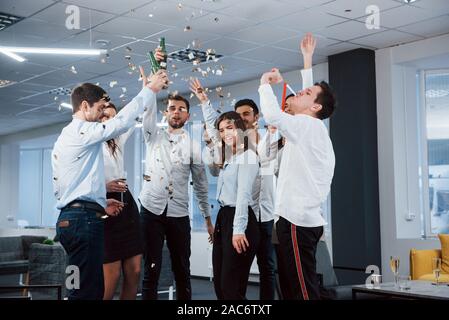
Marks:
<point>236,235</point>
<point>122,233</point>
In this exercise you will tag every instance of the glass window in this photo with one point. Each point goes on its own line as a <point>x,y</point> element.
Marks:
<point>436,100</point>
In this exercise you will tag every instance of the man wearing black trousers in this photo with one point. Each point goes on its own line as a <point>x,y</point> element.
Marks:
<point>305,176</point>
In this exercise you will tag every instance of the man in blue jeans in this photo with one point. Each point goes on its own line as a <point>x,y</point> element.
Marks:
<point>79,182</point>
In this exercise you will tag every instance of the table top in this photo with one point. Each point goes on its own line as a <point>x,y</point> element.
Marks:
<point>418,289</point>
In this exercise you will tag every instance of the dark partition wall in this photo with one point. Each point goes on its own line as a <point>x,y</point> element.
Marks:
<point>355,189</point>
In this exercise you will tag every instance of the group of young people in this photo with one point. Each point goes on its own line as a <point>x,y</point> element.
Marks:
<point>270,189</point>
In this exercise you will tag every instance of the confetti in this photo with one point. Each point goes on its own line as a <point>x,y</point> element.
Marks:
<point>128,49</point>
<point>103,60</point>
<point>150,15</point>
<point>122,95</point>
<point>191,56</point>
<point>73,70</point>
<point>192,95</point>
<point>196,62</point>
<point>56,98</point>
<point>113,83</point>
<point>124,89</point>
<point>179,6</point>
<point>229,94</point>
<point>218,72</point>
<point>187,28</point>
<point>216,19</point>
<point>128,57</point>
<point>173,66</point>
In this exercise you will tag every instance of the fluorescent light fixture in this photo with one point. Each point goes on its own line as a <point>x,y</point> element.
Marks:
<point>66,105</point>
<point>13,55</point>
<point>89,52</point>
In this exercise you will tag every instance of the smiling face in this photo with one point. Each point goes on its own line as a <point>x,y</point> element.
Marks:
<point>177,114</point>
<point>93,113</point>
<point>248,116</point>
<point>304,101</point>
<point>228,132</point>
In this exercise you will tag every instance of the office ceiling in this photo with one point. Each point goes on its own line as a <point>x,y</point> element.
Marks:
<point>252,36</point>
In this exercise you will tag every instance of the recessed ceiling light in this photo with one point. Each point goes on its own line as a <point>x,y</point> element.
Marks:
<point>61,91</point>
<point>7,20</point>
<point>5,83</point>
<point>190,55</point>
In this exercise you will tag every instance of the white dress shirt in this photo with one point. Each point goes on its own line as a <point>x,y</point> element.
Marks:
<point>169,161</point>
<point>307,165</point>
<point>114,166</point>
<point>77,156</point>
<point>269,157</point>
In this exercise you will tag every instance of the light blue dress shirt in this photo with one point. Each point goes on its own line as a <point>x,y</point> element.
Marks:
<point>77,156</point>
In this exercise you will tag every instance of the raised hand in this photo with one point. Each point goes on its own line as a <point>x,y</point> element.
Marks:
<point>156,82</point>
<point>158,54</point>
<point>271,77</point>
<point>308,45</point>
<point>198,90</point>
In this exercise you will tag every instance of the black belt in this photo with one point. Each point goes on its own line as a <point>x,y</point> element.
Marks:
<point>87,205</point>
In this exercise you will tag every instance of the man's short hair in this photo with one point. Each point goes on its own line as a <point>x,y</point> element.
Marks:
<point>289,96</point>
<point>247,102</point>
<point>327,99</point>
<point>87,92</point>
<point>178,97</point>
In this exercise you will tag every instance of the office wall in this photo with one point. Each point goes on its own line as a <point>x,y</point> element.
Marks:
<point>396,69</point>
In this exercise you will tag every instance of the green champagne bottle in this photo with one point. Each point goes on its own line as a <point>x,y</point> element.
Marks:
<point>154,64</point>
<point>163,63</point>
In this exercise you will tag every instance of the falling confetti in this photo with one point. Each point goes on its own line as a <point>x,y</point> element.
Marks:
<point>150,15</point>
<point>218,72</point>
<point>56,98</point>
<point>173,66</point>
<point>113,83</point>
<point>73,70</point>
<point>128,57</point>
<point>122,95</point>
<point>192,95</point>
<point>187,28</point>
<point>216,19</point>
<point>103,60</point>
<point>179,6</point>
<point>128,49</point>
<point>124,89</point>
<point>191,56</point>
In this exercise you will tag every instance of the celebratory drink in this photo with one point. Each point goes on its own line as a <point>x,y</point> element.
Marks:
<point>436,266</point>
<point>154,64</point>
<point>163,63</point>
<point>394,265</point>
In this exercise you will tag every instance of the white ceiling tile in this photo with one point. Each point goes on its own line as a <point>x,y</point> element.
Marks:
<point>262,34</point>
<point>220,24</point>
<point>236,63</point>
<point>52,60</point>
<point>349,30</point>
<point>23,8</point>
<point>294,43</point>
<point>208,5</point>
<point>307,3</point>
<point>227,46</point>
<point>8,38</point>
<point>96,67</point>
<point>265,10</point>
<point>275,56</point>
<point>167,13</point>
<point>386,39</point>
<point>404,15</point>
<point>135,28</point>
<point>437,6</point>
<point>428,28</point>
<point>39,28</point>
<point>113,6</point>
<point>178,37</point>
<point>357,8</point>
<point>88,17</point>
<point>338,48</point>
<point>64,77</point>
<point>308,20</point>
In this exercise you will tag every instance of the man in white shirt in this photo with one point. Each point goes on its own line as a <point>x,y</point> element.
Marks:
<point>305,176</point>
<point>171,157</point>
<point>79,179</point>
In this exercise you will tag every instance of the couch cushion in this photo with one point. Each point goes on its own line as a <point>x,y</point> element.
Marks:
<point>444,239</point>
<point>27,241</point>
<point>430,277</point>
<point>13,267</point>
<point>11,249</point>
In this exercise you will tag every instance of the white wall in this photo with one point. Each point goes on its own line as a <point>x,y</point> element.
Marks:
<point>398,154</point>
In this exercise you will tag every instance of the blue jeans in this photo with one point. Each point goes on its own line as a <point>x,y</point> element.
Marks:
<point>265,261</point>
<point>81,234</point>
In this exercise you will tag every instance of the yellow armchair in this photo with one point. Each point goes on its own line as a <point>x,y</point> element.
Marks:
<point>421,265</point>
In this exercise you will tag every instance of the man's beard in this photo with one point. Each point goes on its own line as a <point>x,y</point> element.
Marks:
<point>176,124</point>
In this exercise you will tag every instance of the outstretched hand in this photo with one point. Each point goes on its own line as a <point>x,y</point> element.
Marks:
<point>271,77</point>
<point>198,90</point>
<point>155,82</point>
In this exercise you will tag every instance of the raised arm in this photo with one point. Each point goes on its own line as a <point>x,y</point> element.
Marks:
<point>307,45</point>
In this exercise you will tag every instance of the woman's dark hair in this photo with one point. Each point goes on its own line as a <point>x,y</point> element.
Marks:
<point>112,145</point>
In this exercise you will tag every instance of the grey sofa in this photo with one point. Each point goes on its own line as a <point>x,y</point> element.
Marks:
<point>14,253</point>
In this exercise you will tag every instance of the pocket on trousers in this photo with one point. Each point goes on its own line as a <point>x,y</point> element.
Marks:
<point>68,232</point>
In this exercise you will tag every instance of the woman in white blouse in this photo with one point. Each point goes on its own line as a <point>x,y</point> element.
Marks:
<point>122,233</point>
<point>236,235</point>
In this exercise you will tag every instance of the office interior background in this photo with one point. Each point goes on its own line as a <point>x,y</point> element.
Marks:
<point>390,133</point>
